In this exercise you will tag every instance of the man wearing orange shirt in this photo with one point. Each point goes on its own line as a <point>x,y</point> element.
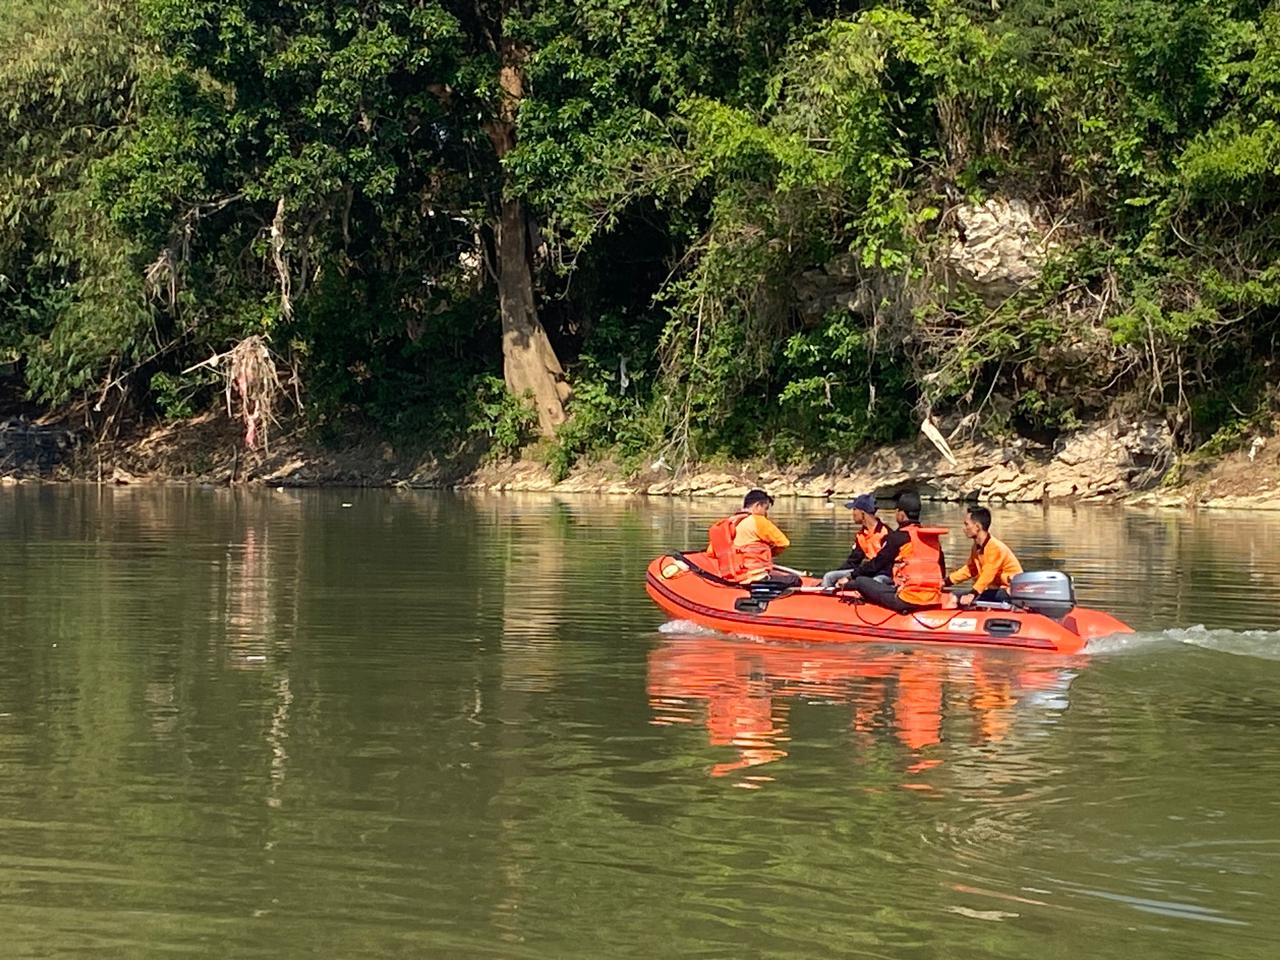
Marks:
<point>745,544</point>
<point>991,564</point>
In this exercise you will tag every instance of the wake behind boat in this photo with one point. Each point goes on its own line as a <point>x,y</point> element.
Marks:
<point>1041,616</point>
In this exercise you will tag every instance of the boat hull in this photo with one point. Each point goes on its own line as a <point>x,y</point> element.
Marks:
<point>684,594</point>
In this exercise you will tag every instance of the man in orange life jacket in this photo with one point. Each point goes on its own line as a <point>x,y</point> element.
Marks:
<point>867,542</point>
<point>991,564</point>
<point>744,545</point>
<point>912,556</point>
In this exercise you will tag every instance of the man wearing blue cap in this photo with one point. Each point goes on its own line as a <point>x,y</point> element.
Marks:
<point>867,542</point>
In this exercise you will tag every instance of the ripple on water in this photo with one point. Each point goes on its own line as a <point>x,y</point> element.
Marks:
<point>1262,644</point>
<point>687,628</point>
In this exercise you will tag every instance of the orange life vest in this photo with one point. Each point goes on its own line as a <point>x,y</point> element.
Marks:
<point>870,541</point>
<point>750,562</point>
<point>917,571</point>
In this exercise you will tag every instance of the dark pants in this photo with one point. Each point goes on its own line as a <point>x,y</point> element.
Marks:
<point>782,578</point>
<point>883,595</point>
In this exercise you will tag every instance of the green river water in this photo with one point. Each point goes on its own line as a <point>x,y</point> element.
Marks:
<point>376,724</point>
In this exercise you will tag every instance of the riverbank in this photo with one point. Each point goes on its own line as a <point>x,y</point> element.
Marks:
<point>1116,461</point>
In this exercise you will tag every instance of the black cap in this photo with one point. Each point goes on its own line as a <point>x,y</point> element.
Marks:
<point>756,496</point>
<point>909,503</point>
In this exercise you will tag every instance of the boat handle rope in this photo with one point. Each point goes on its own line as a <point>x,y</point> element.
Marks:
<point>857,608</point>
<point>915,615</point>
<point>934,626</point>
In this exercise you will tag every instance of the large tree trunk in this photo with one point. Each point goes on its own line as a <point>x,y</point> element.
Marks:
<point>529,364</point>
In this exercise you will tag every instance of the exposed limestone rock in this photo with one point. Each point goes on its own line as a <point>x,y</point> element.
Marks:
<point>708,483</point>
<point>997,248</point>
<point>1112,460</point>
<point>1103,461</point>
<point>844,284</point>
<point>1000,246</point>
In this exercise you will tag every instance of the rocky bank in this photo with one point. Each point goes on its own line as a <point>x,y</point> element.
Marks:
<point>1121,460</point>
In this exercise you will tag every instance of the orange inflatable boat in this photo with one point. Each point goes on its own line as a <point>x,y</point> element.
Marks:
<point>1042,616</point>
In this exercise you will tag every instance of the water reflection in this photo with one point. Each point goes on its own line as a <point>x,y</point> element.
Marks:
<point>418,725</point>
<point>533,586</point>
<point>742,691</point>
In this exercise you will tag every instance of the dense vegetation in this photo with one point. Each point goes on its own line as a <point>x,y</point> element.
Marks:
<point>593,220</point>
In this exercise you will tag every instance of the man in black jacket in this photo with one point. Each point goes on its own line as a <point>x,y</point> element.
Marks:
<point>874,578</point>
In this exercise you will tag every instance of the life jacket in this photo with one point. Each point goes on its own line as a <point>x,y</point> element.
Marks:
<point>744,564</point>
<point>917,571</point>
<point>870,541</point>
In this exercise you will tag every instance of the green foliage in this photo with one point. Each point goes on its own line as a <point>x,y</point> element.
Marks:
<point>837,396</point>
<point>172,396</point>
<point>178,174</point>
<point>508,422</point>
<point>616,411</point>
<point>1235,428</point>
<point>605,421</point>
<point>70,300</point>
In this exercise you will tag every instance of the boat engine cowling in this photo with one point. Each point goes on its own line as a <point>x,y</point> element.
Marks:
<point>1044,591</point>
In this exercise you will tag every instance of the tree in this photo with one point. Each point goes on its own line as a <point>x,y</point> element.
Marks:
<point>70,304</point>
<point>530,365</point>
<point>316,134</point>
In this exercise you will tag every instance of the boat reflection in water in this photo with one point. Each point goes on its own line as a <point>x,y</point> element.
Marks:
<point>925,700</point>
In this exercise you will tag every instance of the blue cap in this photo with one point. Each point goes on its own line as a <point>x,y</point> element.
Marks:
<point>864,502</point>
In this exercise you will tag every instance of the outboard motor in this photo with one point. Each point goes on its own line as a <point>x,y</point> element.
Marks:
<point>1044,591</point>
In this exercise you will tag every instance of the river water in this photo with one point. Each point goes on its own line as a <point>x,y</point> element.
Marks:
<point>381,724</point>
